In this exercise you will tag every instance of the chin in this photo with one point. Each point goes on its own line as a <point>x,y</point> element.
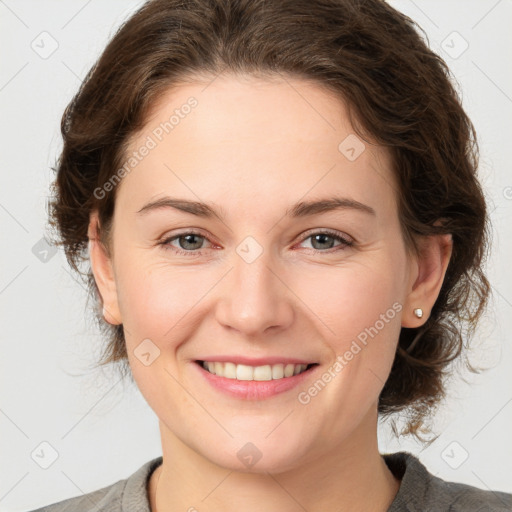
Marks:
<point>257,454</point>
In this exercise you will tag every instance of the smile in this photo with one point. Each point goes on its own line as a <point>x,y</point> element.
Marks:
<point>244,372</point>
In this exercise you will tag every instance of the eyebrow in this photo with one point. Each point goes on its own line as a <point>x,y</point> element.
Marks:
<point>300,209</point>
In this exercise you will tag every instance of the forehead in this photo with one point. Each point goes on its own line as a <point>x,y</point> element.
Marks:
<point>268,138</point>
<point>252,110</point>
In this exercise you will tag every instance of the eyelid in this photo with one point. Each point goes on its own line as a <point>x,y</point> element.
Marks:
<point>166,239</point>
<point>304,236</point>
<point>345,241</point>
<point>184,231</point>
<point>327,231</point>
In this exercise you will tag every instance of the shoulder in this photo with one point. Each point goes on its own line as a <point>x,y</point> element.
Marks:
<point>127,495</point>
<point>422,491</point>
<point>106,499</point>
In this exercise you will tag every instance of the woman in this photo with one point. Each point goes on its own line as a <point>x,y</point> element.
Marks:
<point>213,150</point>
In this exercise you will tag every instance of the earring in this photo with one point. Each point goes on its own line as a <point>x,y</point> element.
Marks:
<point>418,312</point>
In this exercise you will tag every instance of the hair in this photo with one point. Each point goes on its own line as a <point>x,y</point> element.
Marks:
<point>398,92</point>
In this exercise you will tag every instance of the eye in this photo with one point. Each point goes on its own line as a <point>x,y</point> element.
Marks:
<point>188,243</point>
<point>324,240</point>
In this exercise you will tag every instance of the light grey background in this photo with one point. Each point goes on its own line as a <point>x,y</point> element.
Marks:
<point>101,428</point>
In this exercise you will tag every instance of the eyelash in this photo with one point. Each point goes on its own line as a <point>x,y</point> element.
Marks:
<point>333,234</point>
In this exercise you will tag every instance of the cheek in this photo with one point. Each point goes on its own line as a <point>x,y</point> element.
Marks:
<point>159,303</point>
<point>162,302</point>
<point>159,300</point>
<point>355,298</point>
<point>361,309</point>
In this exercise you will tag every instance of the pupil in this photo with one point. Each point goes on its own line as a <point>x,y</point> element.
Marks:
<point>185,237</point>
<point>322,236</point>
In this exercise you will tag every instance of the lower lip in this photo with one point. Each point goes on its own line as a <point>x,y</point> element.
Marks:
<point>254,389</point>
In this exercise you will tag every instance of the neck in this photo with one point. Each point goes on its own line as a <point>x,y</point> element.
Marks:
<point>350,476</point>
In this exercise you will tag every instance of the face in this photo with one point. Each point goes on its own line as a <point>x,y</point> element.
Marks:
<point>266,279</point>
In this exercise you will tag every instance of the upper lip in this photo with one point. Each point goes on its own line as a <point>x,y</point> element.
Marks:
<point>257,361</point>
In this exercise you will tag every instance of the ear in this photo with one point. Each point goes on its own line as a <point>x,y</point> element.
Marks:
<point>102,269</point>
<point>429,268</point>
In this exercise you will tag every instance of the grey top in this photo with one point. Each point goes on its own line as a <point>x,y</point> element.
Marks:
<point>419,491</point>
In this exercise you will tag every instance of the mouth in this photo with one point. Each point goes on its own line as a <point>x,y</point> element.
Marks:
<point>242,372</point>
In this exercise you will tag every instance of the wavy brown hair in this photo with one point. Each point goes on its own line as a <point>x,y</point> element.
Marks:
<point>399,93</point>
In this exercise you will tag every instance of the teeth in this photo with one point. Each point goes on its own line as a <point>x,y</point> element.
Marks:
<point>244,372</point>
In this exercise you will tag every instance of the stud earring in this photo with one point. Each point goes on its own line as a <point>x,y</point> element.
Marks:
<point>418,312</point>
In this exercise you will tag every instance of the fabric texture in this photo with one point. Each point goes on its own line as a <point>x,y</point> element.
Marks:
<point>420,491</point>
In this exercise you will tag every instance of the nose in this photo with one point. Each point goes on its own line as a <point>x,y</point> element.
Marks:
<point>255,296</point>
